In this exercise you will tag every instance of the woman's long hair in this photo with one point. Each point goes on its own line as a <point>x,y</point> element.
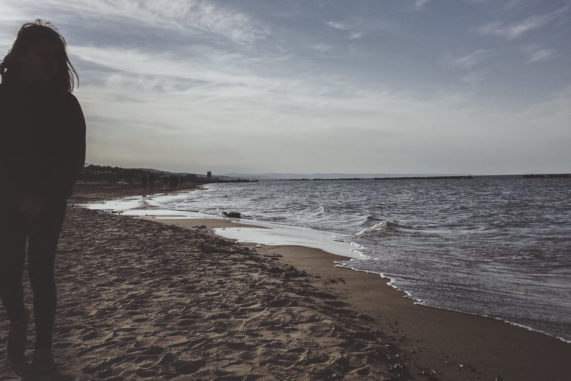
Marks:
<point>28,35</point>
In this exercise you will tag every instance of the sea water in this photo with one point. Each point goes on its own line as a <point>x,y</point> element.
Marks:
<point>490,246</point>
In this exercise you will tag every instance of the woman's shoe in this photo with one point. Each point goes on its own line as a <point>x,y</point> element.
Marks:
<point>43,361</point>
<point>17,340</point>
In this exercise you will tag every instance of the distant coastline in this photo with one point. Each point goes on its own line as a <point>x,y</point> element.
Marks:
<point>98,172</point>
<point>383,176</point>
<point>469,177</point>
<point>548,176</point>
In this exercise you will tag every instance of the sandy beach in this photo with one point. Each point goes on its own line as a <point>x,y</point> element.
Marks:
<point>168,299</point>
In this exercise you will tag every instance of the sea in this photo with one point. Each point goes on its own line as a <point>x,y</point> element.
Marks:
<point>497,246</point>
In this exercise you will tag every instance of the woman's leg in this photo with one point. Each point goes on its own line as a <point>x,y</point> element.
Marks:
<point>42,242</point>
<point>12,256</point>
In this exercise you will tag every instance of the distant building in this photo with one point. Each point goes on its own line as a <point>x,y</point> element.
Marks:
<point>209,175</point>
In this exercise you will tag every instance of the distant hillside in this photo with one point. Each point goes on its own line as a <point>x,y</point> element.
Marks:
<point>130,175</point>
<point>92,172</point>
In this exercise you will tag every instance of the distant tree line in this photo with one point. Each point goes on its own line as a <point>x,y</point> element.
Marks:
<point>147,178</point>
<point>131,175</point>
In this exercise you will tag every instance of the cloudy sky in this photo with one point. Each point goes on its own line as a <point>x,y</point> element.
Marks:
<point>354,86</point>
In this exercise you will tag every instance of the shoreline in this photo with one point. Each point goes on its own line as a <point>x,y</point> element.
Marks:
<point>419,303</point>
<point>215,223</point>
<point>551,326</point>
<point>462,344</point>
<point>140,298</point>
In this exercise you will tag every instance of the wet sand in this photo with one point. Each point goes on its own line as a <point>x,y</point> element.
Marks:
<point>140,299</point>
<point>457,346</point>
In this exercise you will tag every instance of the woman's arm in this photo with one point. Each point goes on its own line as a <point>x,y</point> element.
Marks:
<point>73,156</point>
<point>77,147</point>
<point>71,153</point>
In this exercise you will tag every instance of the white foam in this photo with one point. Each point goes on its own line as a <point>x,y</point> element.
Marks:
<point>378,227</point>
<point>166,214</point>
<point>140,206</point>
<point>159,200</point>
<point>274,235</point>
<point>266,234</point>
<point>118,205</point>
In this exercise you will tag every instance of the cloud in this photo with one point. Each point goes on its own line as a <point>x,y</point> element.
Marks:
<point>414,5</point>
<point>420,4</point>
<point>504,5</point>
<point>352,28</point>
<point>355,35</point>
<point>515,30</point>
<point>339,25</point>
<point>470,60</point>
<point>322,48</point>
<point>245,117</point>
<point>508,3</point>
<point>192,17</point>
<point>137,66</point>
<point>536,53</point>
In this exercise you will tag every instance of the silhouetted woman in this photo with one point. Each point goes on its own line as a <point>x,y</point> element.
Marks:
<point>42,151</point>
